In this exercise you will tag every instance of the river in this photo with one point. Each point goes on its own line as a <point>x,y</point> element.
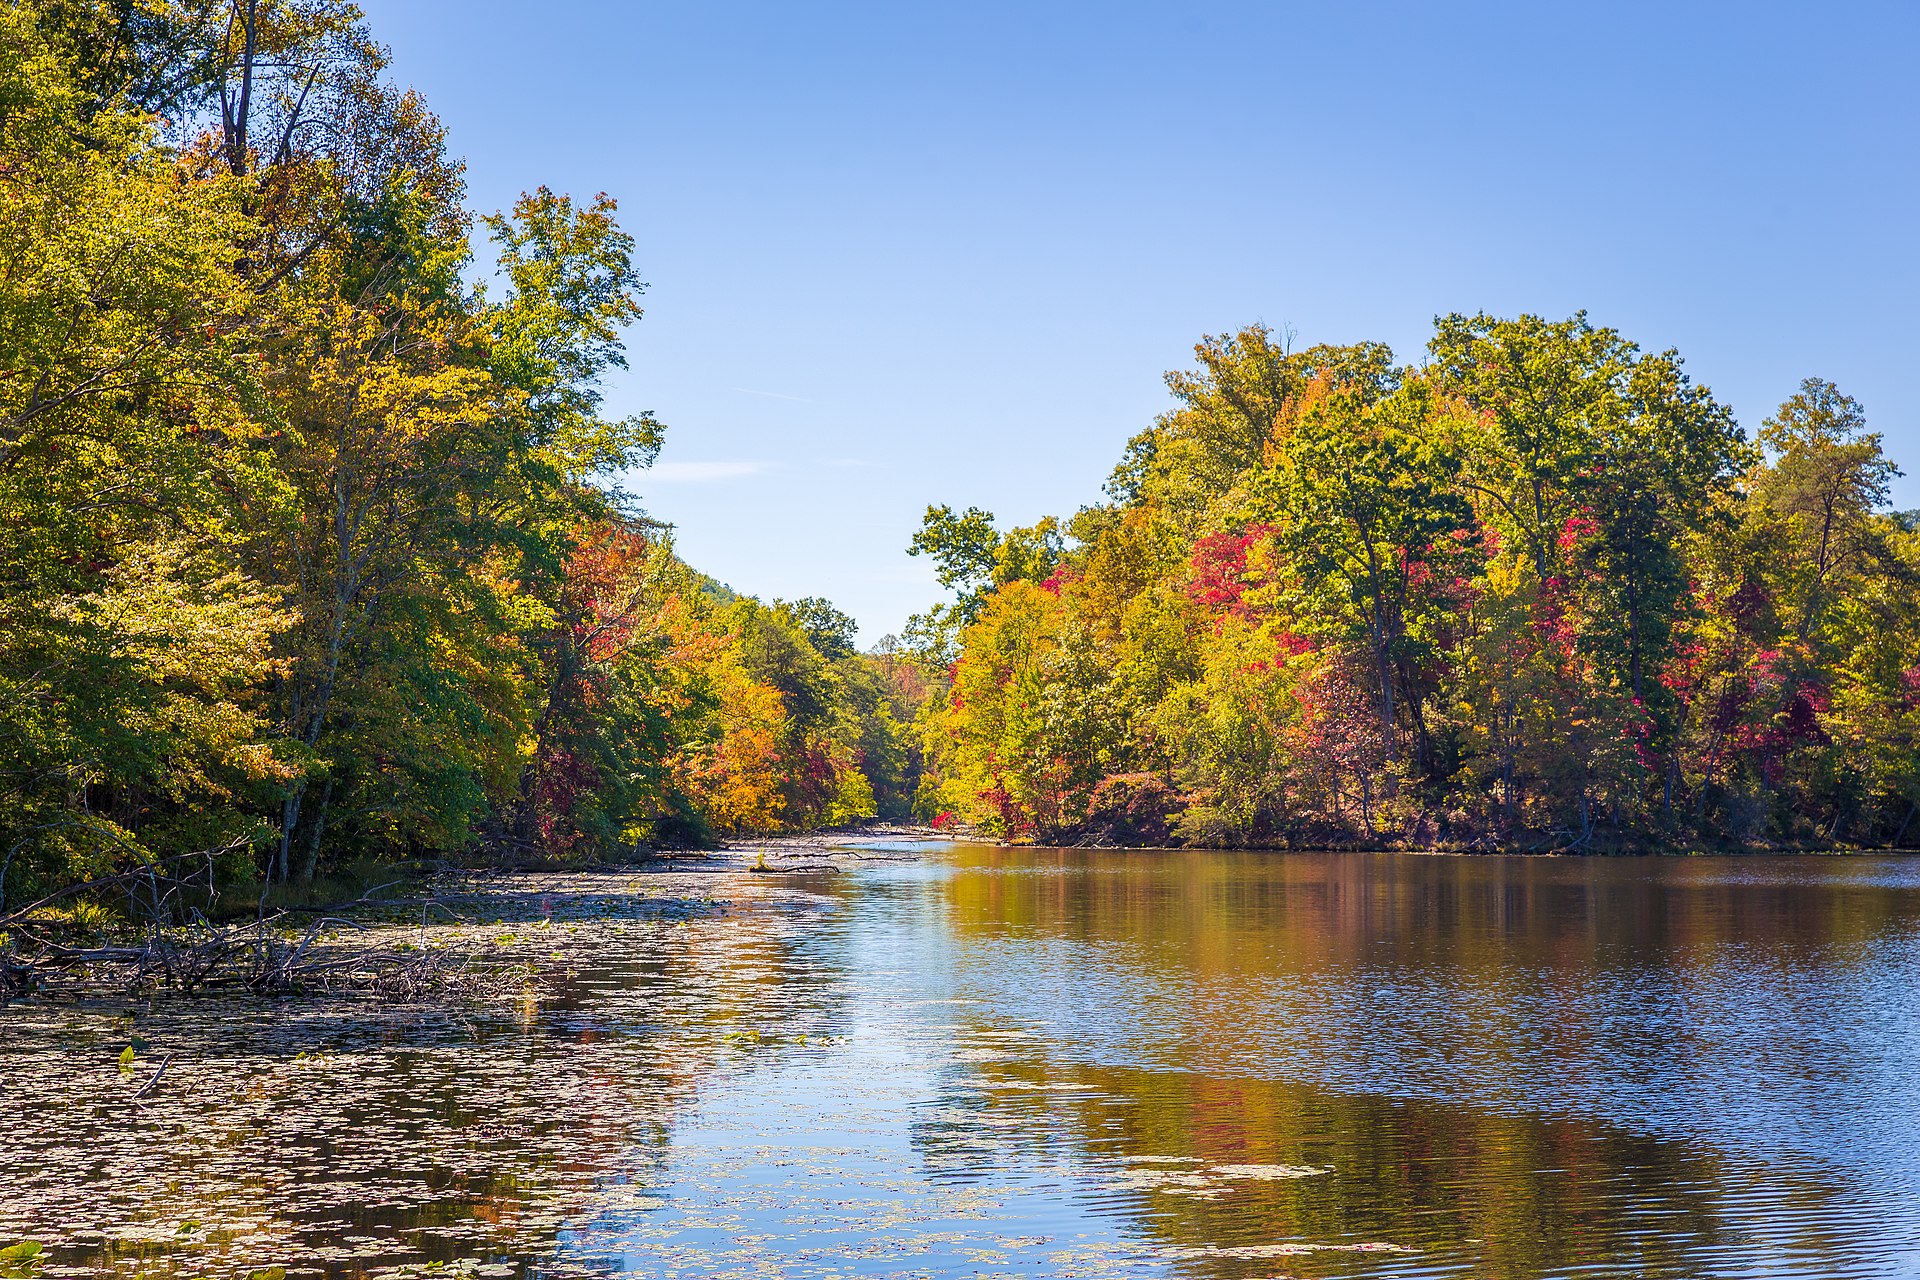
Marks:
<point>968,1060</point>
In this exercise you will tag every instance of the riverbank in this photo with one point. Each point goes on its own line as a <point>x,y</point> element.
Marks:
<point>1061,1064</point>
<point>156,1132</point>
<point>440,934</point>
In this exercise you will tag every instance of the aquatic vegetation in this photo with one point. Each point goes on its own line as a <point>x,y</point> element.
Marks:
<point>484,1121</point>
<point>1053,1063</point>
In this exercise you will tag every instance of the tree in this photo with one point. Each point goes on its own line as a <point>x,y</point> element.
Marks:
<point>1361,497</point>
<point>130,642</point>
<point>1825,478</point>
<point>1000,766</point>
<point>1598,463</point>
<point>1536,592</point>
<point>830,631</point>
<point>1542,392</point>
<point>1241,398</point>
<point>307,541</point>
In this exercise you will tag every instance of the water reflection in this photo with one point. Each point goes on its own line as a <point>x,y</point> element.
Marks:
<point>1532,1066</point>
<point>341,1138</point>
<point>1052,1064</point>
<point>1227,1172</point>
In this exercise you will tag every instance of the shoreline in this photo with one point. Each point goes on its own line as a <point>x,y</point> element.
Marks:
<point>378,948</point>
<point>843,842</point>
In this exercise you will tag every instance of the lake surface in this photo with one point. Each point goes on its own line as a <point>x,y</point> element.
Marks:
<point>1015,1062</point>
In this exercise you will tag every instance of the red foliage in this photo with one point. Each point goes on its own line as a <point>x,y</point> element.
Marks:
<point>1220,566</point>
<point>598,595</point>
<point>561,779</point>
<point>1130,809</point>
<point>1749,604</point>
<point>1575,528</point>
<point>598,615</point>
<point>1013,818</point>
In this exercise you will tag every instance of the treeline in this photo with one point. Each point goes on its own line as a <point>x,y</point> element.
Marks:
<point>1537,592</point>
<point>309,543</point>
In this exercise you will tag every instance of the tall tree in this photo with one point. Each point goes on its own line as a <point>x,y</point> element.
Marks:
<point>1361,495</point>
<point>129,641</point>
<point>1826,476</point>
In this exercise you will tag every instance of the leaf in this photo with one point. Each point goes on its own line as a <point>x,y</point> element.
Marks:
<point>126,1060</point>
<point>20,1252</point>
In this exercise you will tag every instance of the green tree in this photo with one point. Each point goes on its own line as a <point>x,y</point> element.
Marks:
<point>1242,397</point>
<point>1543,392</point>
<point>130,643</point>
<point>1362,498</point>
<point>1826,477</point>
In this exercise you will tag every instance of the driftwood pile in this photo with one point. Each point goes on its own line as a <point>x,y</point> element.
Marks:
<point>161,940</point>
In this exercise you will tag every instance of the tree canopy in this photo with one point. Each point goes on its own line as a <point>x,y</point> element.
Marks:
<point>311,541</point>
<point>1538,591</point>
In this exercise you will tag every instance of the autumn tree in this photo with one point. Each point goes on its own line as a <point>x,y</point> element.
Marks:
<point>1538,592</point>
<point>132,643</point>
<point>1363,496</point>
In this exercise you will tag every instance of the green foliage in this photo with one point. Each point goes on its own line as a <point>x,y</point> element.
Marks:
<point>830,631</point>
<point>1537,593</point>
<point>974,559</point>
<point>21,1258</point>
<point>308,549</point>
<point>965,549</point>
<point>1367,514</point>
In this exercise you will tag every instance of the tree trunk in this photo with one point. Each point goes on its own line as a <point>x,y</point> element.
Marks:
<point>1633,640</point>
<point>319,829</point>
<point>289,820</point>
<point>520,823</point>
<point>237,115</point>
<point>1383,667</point>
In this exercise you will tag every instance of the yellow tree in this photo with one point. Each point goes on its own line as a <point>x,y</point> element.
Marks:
<point>129,643</point>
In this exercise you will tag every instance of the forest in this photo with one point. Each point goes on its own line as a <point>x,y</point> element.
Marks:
<point>1537,592</point>
<point>314,550</point>
<point>1444,809</point>
<point>312,546</point>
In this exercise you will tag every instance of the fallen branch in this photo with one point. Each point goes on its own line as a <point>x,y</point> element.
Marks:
<point>256,958</point>
<point>153,1080</point>
<point>115,878</point>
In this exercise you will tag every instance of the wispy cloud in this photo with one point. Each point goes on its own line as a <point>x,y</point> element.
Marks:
<point>771,395</point>
<point>701,472</point>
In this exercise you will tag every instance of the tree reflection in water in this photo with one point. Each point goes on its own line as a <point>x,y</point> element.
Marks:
<point>1045,1063</point>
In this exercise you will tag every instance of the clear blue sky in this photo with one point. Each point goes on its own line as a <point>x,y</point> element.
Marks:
<point>911,253</point>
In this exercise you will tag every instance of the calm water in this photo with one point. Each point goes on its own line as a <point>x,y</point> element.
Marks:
<point>1050,1063</point>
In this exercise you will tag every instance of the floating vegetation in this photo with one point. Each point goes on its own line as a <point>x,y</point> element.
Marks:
<point>1269,1171</point>
<point>437,1135</point>
<point>443,1126</point>
<point>737,1075</point>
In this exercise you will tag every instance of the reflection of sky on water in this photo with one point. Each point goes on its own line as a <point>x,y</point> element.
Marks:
<point>1042,1063</point>
<point>813,1168</point>
<point>1715,1059</point>
<point>1780,1045</point>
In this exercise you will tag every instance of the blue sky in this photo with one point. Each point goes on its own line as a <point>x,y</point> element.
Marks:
<point>912,253</point>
